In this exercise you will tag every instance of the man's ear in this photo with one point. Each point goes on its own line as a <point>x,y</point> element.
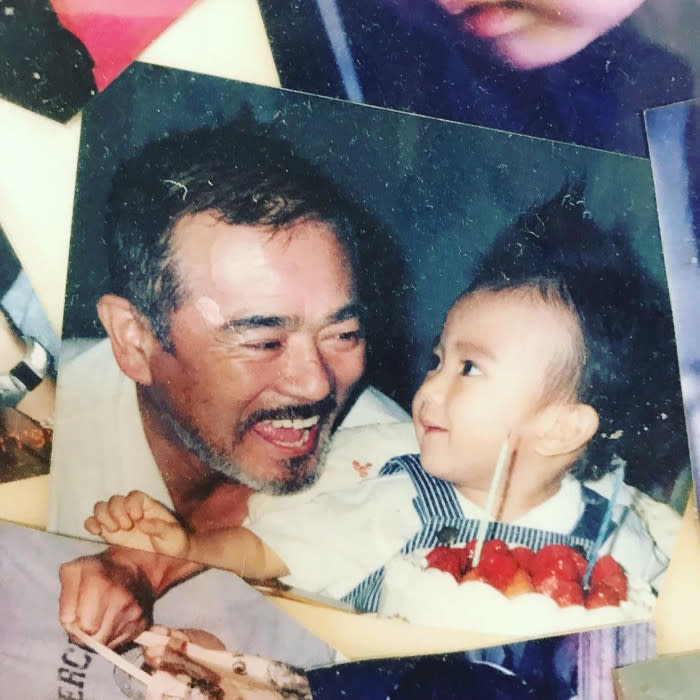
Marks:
<point>130,335</point>
<point>565,428</point>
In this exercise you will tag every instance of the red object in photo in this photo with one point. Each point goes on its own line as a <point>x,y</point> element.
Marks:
<point>452,560</point>
<point>600,596</point>
<point>115,33</point>
<point>607,571</point>
<point>567,562</point>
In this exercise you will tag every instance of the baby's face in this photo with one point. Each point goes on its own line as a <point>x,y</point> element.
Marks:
<point>494,359</point>
<point>536,33</point>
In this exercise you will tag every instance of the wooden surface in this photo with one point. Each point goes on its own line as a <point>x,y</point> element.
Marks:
<point>39,157</point>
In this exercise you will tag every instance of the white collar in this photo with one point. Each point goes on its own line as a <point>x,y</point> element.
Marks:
<point>559,513</point>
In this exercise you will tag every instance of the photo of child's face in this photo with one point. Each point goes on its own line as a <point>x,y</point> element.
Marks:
<point>495,358</point>
<point>537,33</point>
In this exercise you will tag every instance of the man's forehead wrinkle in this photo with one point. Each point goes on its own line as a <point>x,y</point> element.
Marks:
<point>293,322</point>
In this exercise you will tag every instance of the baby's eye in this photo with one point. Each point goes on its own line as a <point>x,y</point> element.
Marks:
<point>469,369</point>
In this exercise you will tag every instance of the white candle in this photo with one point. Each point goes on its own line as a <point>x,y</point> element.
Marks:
<point>490,500</point>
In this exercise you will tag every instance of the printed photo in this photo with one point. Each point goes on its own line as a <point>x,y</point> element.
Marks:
<point>55,55</point>
<point>212,636</point>
<point>421,368</point>
<point>29,348</point>
<point>579,71</point>
<point>674,148</point>
<point>672,675</point>
<point>576,666</point>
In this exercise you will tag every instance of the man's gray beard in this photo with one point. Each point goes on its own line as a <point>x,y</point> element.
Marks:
<point>299,477</point>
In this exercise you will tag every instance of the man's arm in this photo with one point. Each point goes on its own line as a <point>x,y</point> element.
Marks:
<point>111,595</point>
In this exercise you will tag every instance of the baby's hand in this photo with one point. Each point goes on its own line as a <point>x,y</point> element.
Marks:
<point>136,520</point>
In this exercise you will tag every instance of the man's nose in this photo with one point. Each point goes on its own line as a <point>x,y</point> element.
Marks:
<point>306,375</point>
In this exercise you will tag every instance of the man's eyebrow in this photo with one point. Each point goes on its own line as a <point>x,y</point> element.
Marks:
<point>256,321</point>
<point>352,310</point>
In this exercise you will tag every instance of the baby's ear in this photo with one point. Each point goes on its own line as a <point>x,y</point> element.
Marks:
<point>565,428</point>
<point>130,335</point>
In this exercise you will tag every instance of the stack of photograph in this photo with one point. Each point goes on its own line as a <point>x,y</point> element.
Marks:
<point>369,366</point>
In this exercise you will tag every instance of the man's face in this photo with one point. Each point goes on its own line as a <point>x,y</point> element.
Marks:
<point>494,358</point>
<point>536,33</point>
<point>268,346</point>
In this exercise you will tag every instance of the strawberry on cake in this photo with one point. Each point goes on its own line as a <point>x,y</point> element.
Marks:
<point>511,591</point>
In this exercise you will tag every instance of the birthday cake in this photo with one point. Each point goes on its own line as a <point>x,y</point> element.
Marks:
<point>514,592</point>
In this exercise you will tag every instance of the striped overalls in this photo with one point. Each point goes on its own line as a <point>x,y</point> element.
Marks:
<point>443,523</point>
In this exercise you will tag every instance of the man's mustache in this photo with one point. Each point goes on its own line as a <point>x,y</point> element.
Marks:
<point>321,408</point>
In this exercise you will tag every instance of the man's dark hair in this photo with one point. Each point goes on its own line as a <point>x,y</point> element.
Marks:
<point>242,171</point>
<point>629,368</point>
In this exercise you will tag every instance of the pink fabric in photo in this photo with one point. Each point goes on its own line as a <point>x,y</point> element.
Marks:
<point>115,36</point>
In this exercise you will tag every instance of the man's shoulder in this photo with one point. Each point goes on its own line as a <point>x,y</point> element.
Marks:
<point>361,452</point>
<point>355,457</point>
<point>100,448</point>
<point>372,407</point>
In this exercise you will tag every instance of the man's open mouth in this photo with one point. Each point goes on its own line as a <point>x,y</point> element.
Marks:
<point>290,433</point>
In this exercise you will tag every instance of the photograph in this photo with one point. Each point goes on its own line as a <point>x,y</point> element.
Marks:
<point>674,149</point>
<point>671,675</point>
<point>211,636</point>
<point>580,71</point>
<point>572,667</point>
<point>29,349</point>
<point>421,368</point>
<point>55,55</point>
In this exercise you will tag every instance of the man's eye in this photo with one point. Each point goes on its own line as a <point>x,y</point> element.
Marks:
<point>345,338</point>
<point>350,335</point>
<point>264,345</point>
<point>469,369</point>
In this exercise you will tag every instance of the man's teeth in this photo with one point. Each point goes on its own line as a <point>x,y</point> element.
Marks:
<point>295,423</point>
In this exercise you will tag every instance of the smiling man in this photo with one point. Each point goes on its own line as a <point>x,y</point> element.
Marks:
<point>235,344</point>
<point>260,355</point>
